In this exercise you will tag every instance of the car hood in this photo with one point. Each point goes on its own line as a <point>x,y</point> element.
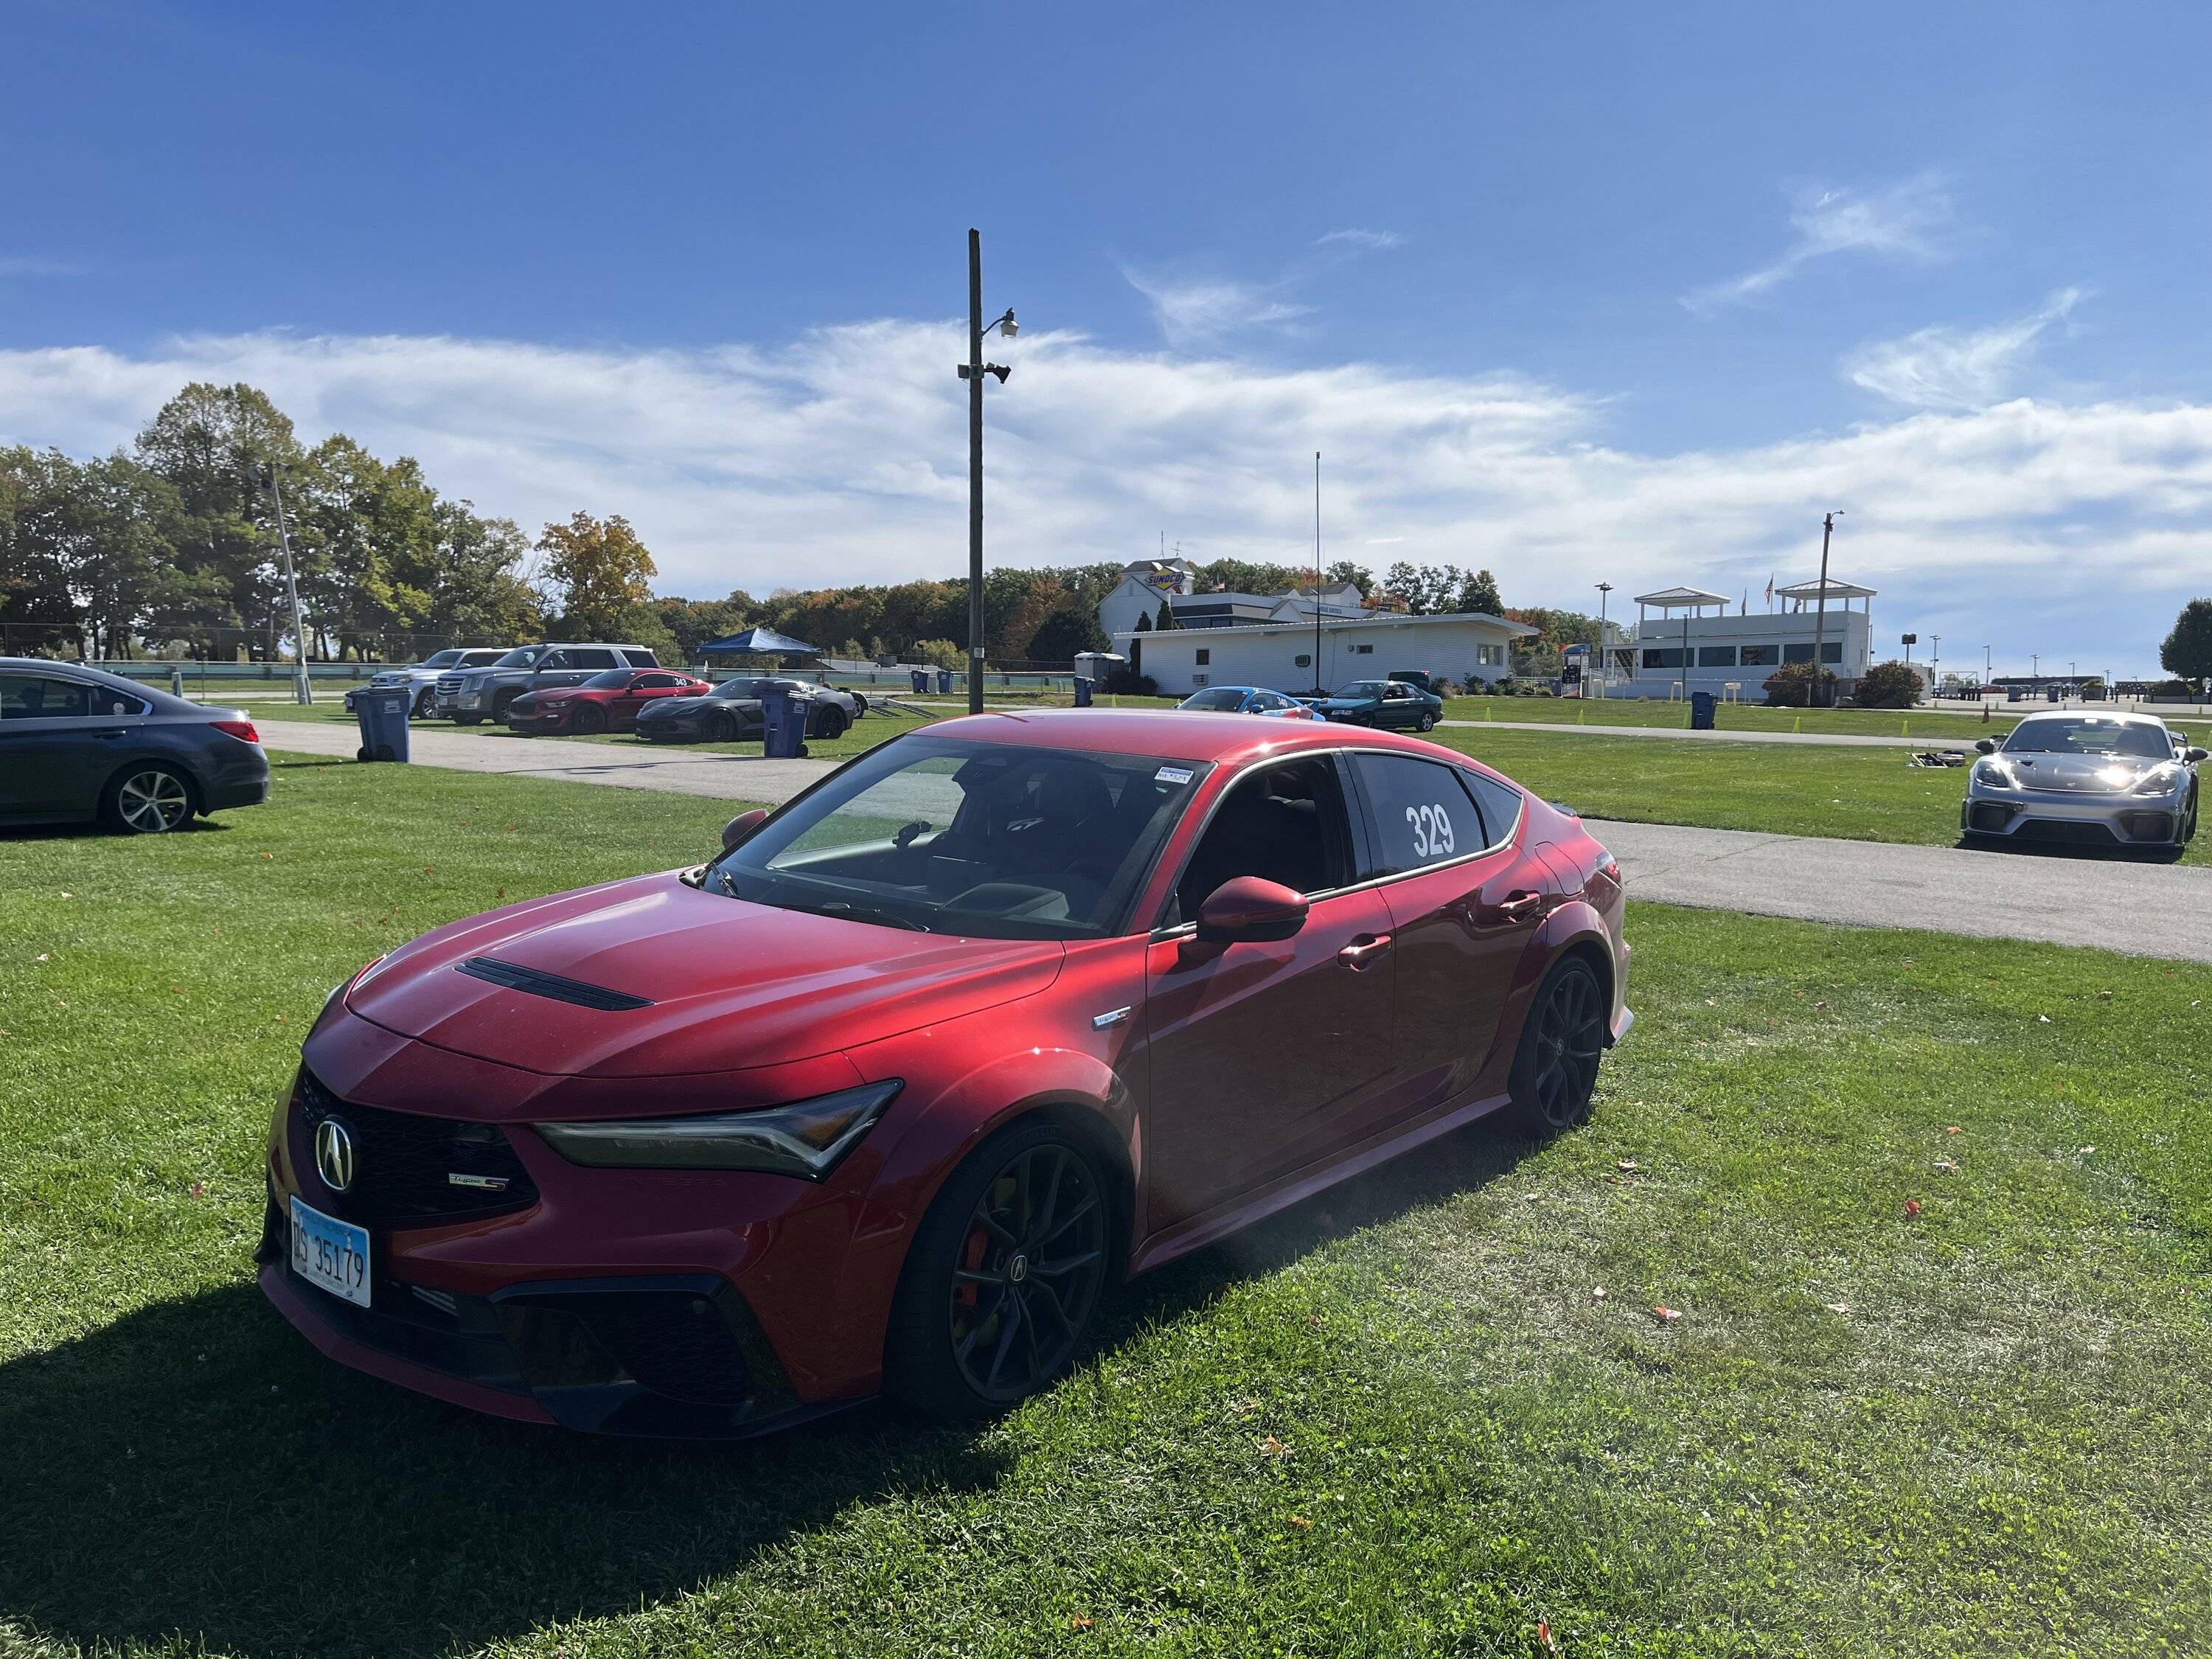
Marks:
<point>728,985</point>
<point>2080,774</point>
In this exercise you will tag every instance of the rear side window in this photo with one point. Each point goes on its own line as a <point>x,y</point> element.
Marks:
<point>591,659</point>
<point>641,658</point>
<point>1422,813</point>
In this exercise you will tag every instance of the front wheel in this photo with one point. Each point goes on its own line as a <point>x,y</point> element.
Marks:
<point>147,800</point>
<point>1003,1276</point>
<point>723,728</point>
<point>589,719</point>
<point>1555,1069</point>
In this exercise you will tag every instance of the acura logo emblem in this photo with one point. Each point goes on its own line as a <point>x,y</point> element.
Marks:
<point>334,1154</point>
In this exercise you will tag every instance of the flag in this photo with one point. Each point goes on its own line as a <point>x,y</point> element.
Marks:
<point>1770,592</point>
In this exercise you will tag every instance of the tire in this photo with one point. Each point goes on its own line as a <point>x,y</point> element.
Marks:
<point>500,703</point>
<point>977,1286</point>
<point>1555,1068</point>
<point>723,728</point>
<point>1426,723</point>
<point>829,724</point>
<point>589,718</point>
<point>423,706</point>
<point>148,799</point>
<point>859,705</point>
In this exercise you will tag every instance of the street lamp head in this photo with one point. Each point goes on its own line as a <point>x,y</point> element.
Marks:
<point>1006,325</point>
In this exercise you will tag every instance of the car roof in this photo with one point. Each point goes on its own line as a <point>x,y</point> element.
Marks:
<point>78,671</point>
<point>2125,716</point>
<point>1196,735</point>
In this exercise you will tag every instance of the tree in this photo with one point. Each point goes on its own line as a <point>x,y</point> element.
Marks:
<point>1244,576</point>
<point>1791,686</point>
<point>1166,621</point>
<point>2188,650</point>
<point>598,572</point>
<point>1068,630</point>
<point>1890,684</point>
<point>1479,593</point>
<point>1343,570</point>
<point>1144,625</point>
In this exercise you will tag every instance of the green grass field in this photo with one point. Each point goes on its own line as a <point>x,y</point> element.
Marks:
<point>1856,794</point>
<point>1936,725</point>
<point>1398,1421</point>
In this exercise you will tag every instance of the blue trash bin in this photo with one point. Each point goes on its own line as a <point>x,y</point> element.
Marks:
<point>1083,694</point>
<point>920,677</point>
<point>382,718</point>
<point>1701,711</point>
<point>783,725</point>
<point>944,682</point>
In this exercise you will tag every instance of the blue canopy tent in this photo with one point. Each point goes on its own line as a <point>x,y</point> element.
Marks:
<point>757,642</point>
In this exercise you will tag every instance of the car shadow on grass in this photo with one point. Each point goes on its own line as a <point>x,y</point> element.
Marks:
<point>196,1467</point>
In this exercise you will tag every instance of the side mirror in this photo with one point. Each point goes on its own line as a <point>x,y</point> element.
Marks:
<point>739,829</point>
<point>1986,745</point>
<point>1246,908</point>
<point>2194,755</point>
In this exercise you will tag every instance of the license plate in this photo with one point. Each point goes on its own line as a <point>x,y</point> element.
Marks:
<point>329,1253</point>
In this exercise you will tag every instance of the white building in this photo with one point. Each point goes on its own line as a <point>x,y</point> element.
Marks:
<point>1684,649</point>
<point>1279,655</point>
<point>1144,584</point>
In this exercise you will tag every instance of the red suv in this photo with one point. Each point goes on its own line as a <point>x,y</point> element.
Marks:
<point>606,702</point>
<point>887,1096</point>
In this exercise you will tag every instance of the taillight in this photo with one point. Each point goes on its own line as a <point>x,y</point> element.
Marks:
<point>242,729</point>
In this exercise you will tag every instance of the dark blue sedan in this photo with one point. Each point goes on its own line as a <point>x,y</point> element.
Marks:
<point>1381,702</point>
<point>77,745</point>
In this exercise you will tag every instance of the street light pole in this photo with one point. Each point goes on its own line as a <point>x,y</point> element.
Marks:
<point>1604,662</point>
<point>1820,608</point>
<point>973,372</point>
<point>302,692</point>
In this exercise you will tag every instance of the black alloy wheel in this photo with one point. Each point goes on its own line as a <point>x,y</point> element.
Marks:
<point>830,723</point>
<point>1555,1072</point>
<point>1004,1276</point>
<point>589,717</point>
<point>501,702</point>
<point>147,800</point>
<point>722,727</point>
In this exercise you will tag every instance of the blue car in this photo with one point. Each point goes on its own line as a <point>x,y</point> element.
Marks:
<point>1246,700</point>
<point>1383,703</point>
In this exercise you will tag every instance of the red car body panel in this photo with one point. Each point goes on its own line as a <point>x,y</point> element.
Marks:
<point>555,708</point>
<point>1223,1082</point>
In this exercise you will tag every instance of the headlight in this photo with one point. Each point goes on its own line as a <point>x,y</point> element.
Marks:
<point>808,1138</point>
<point>1995,774</point>
<point>2161,779</point>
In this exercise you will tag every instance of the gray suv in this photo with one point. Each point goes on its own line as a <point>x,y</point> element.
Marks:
<point>477,695</point>
<point>421,678</point>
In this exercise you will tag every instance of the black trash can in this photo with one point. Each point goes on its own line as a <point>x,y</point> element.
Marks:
<point>382,717</point>
<point>1701,711</point>
<point>1083,694</point>
<point>783,725</point>
<point>944,682</point>
<point>920,677</point>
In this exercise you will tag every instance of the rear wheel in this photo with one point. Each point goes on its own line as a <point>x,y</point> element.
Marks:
<point>1427,721</point>
<point>1555,1070</point>
<point>148,799</point>
<point>830,723</point>
<point>1003,1276</point>
<point>590,717</point>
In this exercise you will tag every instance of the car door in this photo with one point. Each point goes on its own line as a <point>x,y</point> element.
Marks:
<point>644,689</point>
<point>1259,1053</point>
<point>59,739</point>
<point>1464,901</point>
<point>1398,707</point>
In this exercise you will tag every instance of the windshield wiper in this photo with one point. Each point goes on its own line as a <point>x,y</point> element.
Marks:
<point>845,912</point>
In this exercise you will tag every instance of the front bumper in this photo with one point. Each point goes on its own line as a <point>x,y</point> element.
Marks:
<point>2028,815</point>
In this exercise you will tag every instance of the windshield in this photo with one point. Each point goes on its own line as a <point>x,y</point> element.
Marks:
<point>1221,697</point>
<point>611,679</point>
<point>2090,734</point>
<point>521,657</point>
<point>995,840</point>
<point>441,659</point>
<point>1362,688</point>
<point>742,688</point>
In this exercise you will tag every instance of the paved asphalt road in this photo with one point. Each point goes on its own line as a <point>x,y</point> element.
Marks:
<point>2144,909</point>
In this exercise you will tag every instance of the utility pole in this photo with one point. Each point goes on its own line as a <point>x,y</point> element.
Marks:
<point>1821,609</point>
<point>302,692</point>
<point>973,372</point>
<point>1935,661</point>
<point>1604,661</point>
<point>1320,690</point>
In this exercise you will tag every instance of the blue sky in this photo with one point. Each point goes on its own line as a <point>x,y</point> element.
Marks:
<point>1631,292</point>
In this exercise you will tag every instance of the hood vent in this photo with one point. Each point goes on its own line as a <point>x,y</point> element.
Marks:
<point>539,984</point>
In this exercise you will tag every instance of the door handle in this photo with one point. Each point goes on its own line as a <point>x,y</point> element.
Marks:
<point>1364,951</point>
<point>110,736</point>
<point>1519,905</point>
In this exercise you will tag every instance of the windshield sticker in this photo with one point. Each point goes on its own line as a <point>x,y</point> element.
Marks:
<point>1172,775</point>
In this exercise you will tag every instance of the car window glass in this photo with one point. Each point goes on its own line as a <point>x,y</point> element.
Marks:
<point>656,682</point>
<point>1500,804</point>
<point>2090,734</point>
<point>42,697</point>
<point>640,658</point>
<point>591,659</point>
<point>1285,824</point>
<point>1418,812</point>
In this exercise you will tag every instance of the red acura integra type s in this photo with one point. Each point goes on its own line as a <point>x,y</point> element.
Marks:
<point>885,1097</point>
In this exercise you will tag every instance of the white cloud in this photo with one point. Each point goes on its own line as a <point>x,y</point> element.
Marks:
<point>35,264</point>
<point>1907,221</point>
<point>1946,368</point>
<point>843,459</point>
<point>1371,240</point>
<point>1197,312</point>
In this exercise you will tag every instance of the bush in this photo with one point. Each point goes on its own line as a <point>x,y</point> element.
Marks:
<point>1122,682</point>
<point>1887,685</point>
<point>1791,686</point>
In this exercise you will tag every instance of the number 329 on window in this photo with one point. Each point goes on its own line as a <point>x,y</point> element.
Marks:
<point>1433,832</point>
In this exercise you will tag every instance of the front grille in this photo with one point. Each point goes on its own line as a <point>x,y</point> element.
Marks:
<point>404,1166</point>
<point>1991,815</point>
<point>449,686</point>
<point>2148,826</point>
<point>2069,832</point>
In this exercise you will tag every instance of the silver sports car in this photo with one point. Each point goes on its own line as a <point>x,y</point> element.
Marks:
<point>2098,780</point>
